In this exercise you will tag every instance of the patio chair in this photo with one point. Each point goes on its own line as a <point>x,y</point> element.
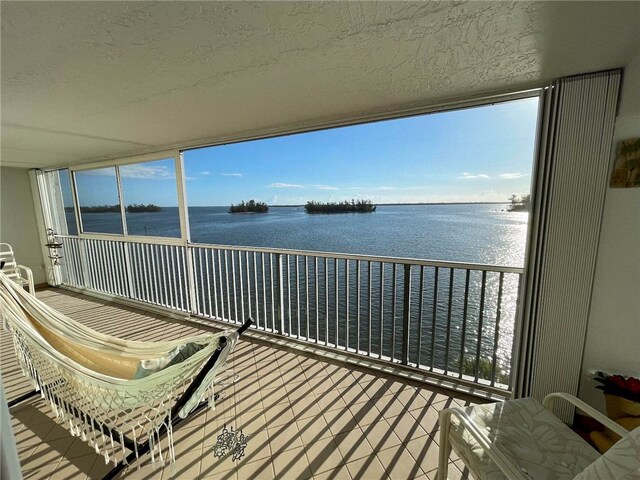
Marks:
<point>523,440</point>
<point>18,273</point>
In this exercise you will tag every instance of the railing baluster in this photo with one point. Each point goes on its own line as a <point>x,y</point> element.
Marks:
<point>336,298</point>
<point>406,314</point>
<point>358,306</point>
<point>480,321</point>
<point>175,268</point>
<point>346,294</point>
<point>463,340</point>
<point>255,284</point>
<point>288,258</point>
<point>494,363</point>
<point>381,307</point>
<point>298,294</point>
<point>246,261</point>
<point>220,282</point>
<point>143,273</point>
<point>420,312</point>
<point>306,292</point>
<point>235,292</point>
<point>229,313</point>
<point>170,276</point>
<point>393,311</point>
<point>155,274</point>
<point>264,292</point>
<point>326,302</point>
<point>281,306</point>
<point>448,337</point>
<point>370,309</point>
<point>240,279</point>
<point>208,271</point>
<point>273,289</point>
<point>434,318</point>
<point>315,270</point>
<point>199,286</point>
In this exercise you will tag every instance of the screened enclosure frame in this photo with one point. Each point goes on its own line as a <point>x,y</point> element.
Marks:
<point>192,269</point>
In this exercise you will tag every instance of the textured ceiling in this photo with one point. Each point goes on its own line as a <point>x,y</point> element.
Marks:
<point>85,81</point>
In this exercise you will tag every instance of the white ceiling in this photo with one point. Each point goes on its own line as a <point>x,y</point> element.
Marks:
<point>84,81</point>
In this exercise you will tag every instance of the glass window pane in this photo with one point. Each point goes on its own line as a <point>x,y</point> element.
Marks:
<point>67,200</point>
<point>98,199</point>
<point>151,198</point>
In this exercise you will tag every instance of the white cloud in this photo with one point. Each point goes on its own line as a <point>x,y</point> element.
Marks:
<point>147,172</point>
<point>470,175</point>
<point>325,187</point>
<point>205,173</point>
<point>511,176</point>
<point>284,185</point>
<point>231,174</point>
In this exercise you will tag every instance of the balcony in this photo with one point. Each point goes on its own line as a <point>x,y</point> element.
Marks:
<point>455,321</point>
<point>308,416</point>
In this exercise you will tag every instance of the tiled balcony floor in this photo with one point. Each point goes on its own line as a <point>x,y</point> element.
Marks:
<point>307,417</point>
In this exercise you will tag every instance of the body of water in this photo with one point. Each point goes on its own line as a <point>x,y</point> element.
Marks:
<point>454,330</point>
<point>475,233</point>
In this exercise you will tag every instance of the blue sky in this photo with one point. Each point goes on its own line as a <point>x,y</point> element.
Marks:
<point>471,155</point>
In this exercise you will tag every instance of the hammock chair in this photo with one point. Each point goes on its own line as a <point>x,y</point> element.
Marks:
<point>111,392</point>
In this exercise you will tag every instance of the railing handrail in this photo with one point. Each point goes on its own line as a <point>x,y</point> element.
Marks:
<point>309,253</point>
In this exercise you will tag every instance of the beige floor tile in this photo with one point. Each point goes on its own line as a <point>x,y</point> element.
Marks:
<point>365,413</point>
<point>323,455</point>
<point>330,400</point>
<point>312,429</point>
<point>339,473</point>
<point>224,467</point>
<point>187,466</point>
<point>306,407</point>
<point>368,468</point>
<point>406,427</point>
<point>278,415</point>
<point>425,453</point>
<point>284,437</point>
<point>291,464</point>
<point>47,454</point>
<point>260,470</point>
<point>79,468</point>
<point>381,436</point>
<point>340,421</point>
<point>399,463</point>
<point>353,445</point>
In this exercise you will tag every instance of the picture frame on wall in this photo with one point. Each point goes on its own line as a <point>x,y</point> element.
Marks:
<point>626,171</point>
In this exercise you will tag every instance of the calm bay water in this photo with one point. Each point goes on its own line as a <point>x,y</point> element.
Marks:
<point>475,233</point>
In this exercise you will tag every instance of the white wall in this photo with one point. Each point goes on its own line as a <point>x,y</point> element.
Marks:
<point>18,220</point>
<point>613,334</point>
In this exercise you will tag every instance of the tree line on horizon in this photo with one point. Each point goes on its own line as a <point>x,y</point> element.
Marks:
<point>133,208</point>
<point>249,207</point>
<point>519,204</point>
<point>355,206</point>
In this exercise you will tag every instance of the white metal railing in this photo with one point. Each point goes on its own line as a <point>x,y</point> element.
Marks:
<point>449,318</point>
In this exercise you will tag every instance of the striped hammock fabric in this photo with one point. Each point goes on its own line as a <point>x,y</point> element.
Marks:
<point>87,377</point>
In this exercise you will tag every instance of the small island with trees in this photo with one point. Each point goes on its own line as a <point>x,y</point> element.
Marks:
<point>360,206</point>
<point>519,204</point>
<point>249,207</point>
<point>134,208</point>
<point>140,208</point>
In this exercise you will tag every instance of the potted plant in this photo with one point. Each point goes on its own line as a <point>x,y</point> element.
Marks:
<point>622,395</point>
<point>622,400</point>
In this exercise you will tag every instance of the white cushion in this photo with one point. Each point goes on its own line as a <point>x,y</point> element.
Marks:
<point>622,461</point>
<point>534,439</point>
